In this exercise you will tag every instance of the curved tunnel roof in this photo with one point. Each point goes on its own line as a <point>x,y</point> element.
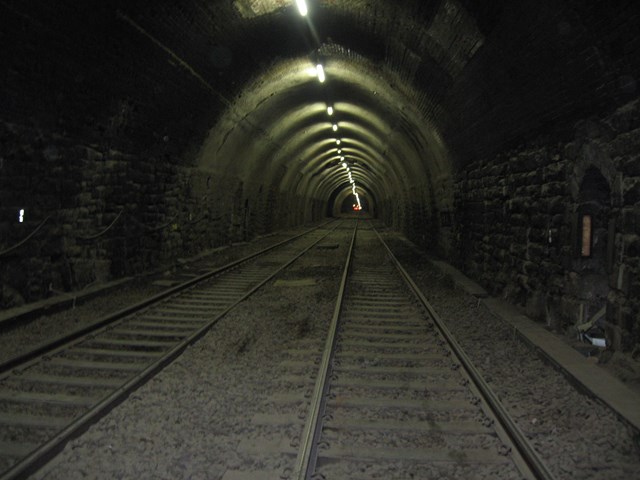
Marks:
<point>419,88</point>
<point>387,136</point>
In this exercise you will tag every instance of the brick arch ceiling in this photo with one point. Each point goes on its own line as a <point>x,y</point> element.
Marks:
<point>278,129</point>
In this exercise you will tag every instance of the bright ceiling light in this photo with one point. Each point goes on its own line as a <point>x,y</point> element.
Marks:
<point>344,164</point>
<point>338,142</point>
<point>335,127</point>
<point>330,110</point>
<point>320,71</point>
<point>302,7</point>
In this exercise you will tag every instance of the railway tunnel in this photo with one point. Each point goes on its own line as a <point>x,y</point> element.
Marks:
<point>500,138</point>
<point>133,133</point>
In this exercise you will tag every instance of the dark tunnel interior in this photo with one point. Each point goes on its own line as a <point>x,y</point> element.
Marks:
<point>501,136</point>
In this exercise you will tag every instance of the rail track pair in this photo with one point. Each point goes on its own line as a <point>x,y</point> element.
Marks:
<point>393,389</point>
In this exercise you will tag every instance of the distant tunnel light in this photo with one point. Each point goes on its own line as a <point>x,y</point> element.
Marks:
<point>330,110</point>
<point>21,215</point>
<point>337,142</point>
<point>335,127</point>
<point>302,7</point>
<point>344,164</point>
<point>320,71</point>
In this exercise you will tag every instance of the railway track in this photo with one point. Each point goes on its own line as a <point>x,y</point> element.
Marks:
<point>394,396</point>
<point>49,395</point>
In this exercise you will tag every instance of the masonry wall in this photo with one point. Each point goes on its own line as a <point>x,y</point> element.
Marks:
<point>517,226</point>
<point>92,214</point>
<point>102,115</point>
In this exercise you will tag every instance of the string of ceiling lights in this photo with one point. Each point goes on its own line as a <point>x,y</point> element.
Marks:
<point>320,73</point>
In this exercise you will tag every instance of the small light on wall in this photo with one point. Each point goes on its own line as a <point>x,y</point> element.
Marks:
<point>302,7</point>
<point>335,127</point>
<point>320,72</point>
<point>339,152</point>
<point>21,216</point>
<point>330,110</point>
<point>344,164</point>
<point>587,237</point>
<point>337,142</point>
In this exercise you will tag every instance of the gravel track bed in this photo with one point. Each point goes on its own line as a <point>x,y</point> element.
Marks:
<point>15,385</point>
<point>576,436</point>
<point>79,372</point>
<point>27,435</point>
<point>405,471</point>
<point>426,394</point>
<point>402,414</point>
<point>397,363</point>
<point>65,411</point>
<point>21,338</point>
<point>192,419</point>
<point>409,440</point>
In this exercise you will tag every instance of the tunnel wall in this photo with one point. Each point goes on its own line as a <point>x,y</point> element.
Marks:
<point>109,214</point>
<point>100,127</point>
<point>517,226</point>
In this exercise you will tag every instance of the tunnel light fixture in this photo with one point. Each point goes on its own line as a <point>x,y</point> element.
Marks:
<point>302,7</point>
<point>339,151</point>
<point>330,110</point>
<point>335,127</point>
<point>21,215</point>
<point>344,164</point>
<point>338,142</point>
<point>320,72</point>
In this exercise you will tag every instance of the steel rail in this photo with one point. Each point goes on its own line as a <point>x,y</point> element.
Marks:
<point>33,461</point>
<point>517,437</point>
<point>47,347</point>
<point>306,459</point>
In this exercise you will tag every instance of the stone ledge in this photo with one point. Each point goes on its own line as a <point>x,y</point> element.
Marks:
<point>12,316</point>
<point>587,376</point>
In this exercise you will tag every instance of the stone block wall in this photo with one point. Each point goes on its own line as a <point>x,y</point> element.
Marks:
<point>517,225</point>
<point>102,117</point>
<point>109,214</point>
